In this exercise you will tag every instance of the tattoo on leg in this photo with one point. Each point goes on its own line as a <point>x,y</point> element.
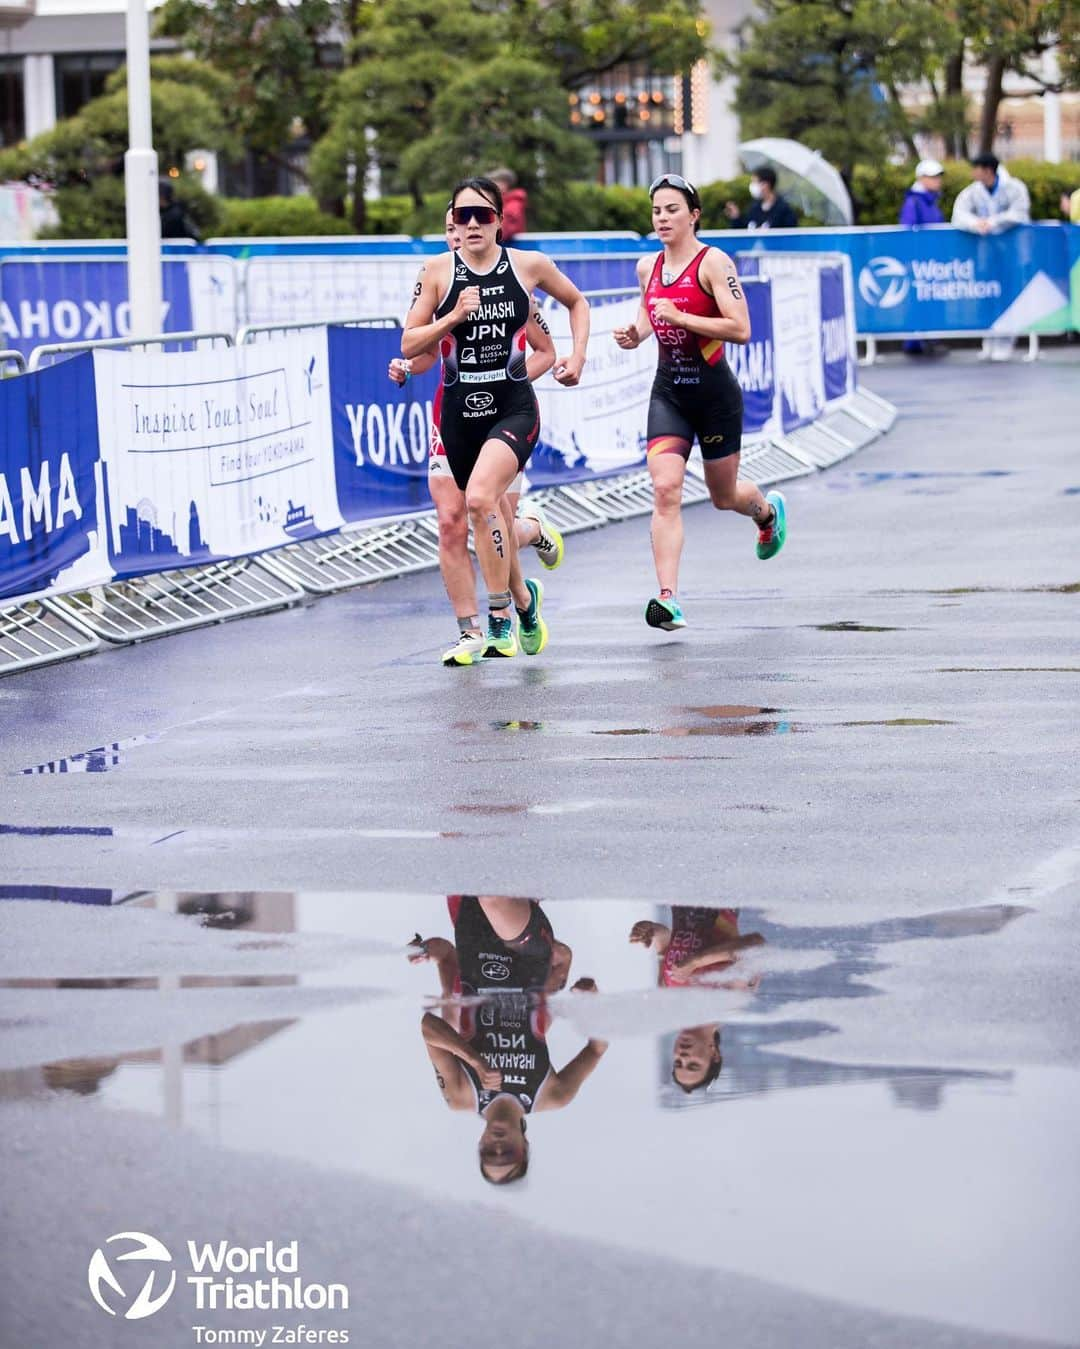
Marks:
<point>496,535</point>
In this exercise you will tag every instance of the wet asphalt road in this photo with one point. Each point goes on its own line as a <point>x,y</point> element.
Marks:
<point>883,716</point>
<point>877,725</point>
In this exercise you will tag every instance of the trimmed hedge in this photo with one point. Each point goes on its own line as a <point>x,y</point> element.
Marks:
<point>879,193</point>
<point>255,217</point>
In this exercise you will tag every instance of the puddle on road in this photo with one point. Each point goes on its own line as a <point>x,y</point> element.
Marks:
<point>729,968</point>
<point>613,1031</point>
<point>99,760</point>
<point>1064,588</point>
<point>1008,669</point>
<point>874,478</point>
<point>57,830</point>
<point>720,720</point>
<point>901,721</point>
<point>850,625</point>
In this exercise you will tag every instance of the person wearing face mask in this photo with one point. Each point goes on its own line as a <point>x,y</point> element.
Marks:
<point>769,210</point>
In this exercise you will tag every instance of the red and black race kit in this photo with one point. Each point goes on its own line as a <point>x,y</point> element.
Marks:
<point>694,392</point>
<point>486,389</point>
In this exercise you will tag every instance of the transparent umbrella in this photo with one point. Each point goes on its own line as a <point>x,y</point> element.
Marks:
<point>803,177</point>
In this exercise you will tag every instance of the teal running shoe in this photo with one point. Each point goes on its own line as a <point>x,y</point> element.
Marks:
<point>664,614</point>
<point>532,630</point>
<point>500,639</point>
<point>771,539</point>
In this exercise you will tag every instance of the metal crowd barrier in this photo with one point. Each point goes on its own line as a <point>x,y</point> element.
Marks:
<point>252,332</point>
<point>39,633</point>
<point>15,358</point>
<point>38,355</point>
<point>129,611</point>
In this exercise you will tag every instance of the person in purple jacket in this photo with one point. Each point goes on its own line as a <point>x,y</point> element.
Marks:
<point>921,202</point>
<point>921,207</point>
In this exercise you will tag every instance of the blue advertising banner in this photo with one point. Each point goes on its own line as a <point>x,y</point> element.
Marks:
<point>48,481</point>
<point>836,356</point>
<point>47,300</point>
<point>937,279</point>
<point>754,364</point>
<point>381,433</point>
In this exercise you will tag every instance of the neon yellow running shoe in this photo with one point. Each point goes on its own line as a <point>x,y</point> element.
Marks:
<point>549,545</point>
<point>467,650</point>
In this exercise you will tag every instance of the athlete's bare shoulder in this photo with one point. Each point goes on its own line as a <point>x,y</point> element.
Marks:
<point>716,257</point>
<point>529,263</point>
<point>720,274</point>
<point>644,266</point>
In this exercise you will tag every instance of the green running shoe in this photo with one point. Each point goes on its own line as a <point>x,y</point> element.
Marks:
<point>771,539</point>
<point>500,639</point>
<point>664,614</point>
<point>532,630</point>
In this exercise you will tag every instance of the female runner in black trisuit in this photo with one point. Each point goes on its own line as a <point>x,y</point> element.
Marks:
<point>691,298</point>
<point>476,304</point>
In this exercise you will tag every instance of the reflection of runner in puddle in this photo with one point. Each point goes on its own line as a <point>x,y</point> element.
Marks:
<point>699,945</point>
<point>491,1054</point>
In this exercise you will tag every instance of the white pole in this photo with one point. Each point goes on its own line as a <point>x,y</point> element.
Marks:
<point>141,182</point>
<point>1052,111</point>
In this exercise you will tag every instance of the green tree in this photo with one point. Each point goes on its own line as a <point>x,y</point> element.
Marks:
<point>506,111</point>
<point>84,155</point>
<point>830,72</point>
<point>403,53</point>
<point>581,39</point>
<point>1012,36</point>
<point>271,52</point>
<point>434,85</point>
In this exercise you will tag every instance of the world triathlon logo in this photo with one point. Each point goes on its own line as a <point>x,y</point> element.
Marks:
<point>884,282</point>
<point>145,1251</point>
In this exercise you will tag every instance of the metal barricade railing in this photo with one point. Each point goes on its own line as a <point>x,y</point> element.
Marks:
<point>38,355</point>
<point>37,633</point>
<point>15,358</point>
<point>253,332</point>
<point>170,601</point>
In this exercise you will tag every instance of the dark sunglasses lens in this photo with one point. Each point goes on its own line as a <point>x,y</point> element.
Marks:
<point>483,215</point>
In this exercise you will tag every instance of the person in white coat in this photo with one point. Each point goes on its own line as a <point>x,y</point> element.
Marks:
<point>993,202</point>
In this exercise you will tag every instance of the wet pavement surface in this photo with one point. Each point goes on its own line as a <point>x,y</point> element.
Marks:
<point>845,800</point>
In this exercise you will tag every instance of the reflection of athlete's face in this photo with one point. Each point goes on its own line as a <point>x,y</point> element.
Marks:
<point>453,238</point>
<point>503,1149</point>
<point>696,1051</point>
